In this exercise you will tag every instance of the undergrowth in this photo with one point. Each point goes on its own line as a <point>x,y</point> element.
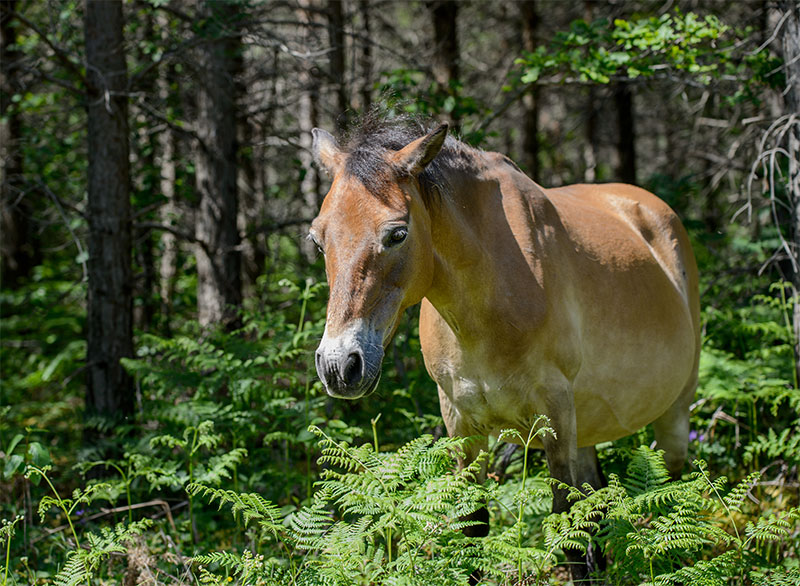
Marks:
<point>243,472</point>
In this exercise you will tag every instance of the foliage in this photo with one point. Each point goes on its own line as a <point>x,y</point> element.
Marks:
<point>298,491</point>
<point>671,44</point>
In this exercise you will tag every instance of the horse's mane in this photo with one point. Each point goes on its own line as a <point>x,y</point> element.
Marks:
<point>377,134</point>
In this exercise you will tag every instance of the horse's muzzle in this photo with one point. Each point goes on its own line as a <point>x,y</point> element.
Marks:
<point>349,365</point>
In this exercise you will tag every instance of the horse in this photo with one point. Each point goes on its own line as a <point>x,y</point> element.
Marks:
<point>580,303</point>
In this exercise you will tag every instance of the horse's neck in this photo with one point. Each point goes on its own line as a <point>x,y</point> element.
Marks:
<point>478,248</point>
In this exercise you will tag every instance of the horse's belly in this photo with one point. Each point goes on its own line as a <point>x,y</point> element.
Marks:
<point>627,377</point>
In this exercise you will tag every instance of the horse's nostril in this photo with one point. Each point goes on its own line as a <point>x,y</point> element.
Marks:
<point>352,370</point>
<point>318,362</point>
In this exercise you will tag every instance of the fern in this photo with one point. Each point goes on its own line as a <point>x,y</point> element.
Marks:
<point>646,471</point>
<point>74,572</point>
<point>309,525</point>
<point>714,572</point>
<point>735,498</point>
<point>251,506</point>
<point>81,563</point>
<point>776,577</point>
<point>773,528</point>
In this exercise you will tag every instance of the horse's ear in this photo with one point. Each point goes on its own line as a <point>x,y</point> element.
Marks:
<point>415,156</point>
<point>327,153</point>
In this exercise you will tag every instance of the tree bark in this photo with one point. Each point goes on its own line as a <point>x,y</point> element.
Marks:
<point>590,145</point>
<point>446,57</point>
<point>110,332</point>
<point>168,214</point>
<point>365,59</point>
<point>166,157</point>
<point>219,289</point>
<point>310,181</point>
<point>530,102</point>
<point>337,60</point>
<point>626,133</point>
<point>790,45</point>
<point>19,251</point>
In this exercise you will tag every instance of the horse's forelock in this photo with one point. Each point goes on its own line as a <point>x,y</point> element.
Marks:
<point>368,145</point>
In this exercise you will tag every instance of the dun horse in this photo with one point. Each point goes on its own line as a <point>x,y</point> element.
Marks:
<point>579,302</point>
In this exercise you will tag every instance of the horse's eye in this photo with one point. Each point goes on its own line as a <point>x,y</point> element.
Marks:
<point>316,243</point>
<point>397,235</point>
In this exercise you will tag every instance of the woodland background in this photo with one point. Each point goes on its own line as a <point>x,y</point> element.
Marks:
<point>160,303</point>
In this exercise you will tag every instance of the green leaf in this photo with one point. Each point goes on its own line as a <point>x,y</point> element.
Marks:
<point>12,464</point>
<point>39,455</point>
<point>14,441</point>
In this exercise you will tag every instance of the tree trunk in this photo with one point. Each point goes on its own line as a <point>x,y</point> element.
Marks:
<point>168,214</point>
<point>167,155</point>
<point>337,60</point>
<point>310,181</point>
<point>110,333</point>
<point>219,290</point>
<point>790,44</point>
<point>252,206</point>
<point>626,145</point>
<point>530,102</point>
<point>590,146</point>
<point>144,184</point>
<point>19,251</point>
<point>446,56</point>
<point>365,59</point>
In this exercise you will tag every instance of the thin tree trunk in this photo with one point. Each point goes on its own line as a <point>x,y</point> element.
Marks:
<point>144,184</point>
<point>168,213</point>
<point>790,44</point>
<point>530,102</point>
<point>366,56</point>
<point>590,145</point>
<point>626,145</point>
<point>19,250</point>
<point>110,333</point>
<point>337,60</point>
<point>446,56</point>
<point>251,196</point>
<point>219,290</point>
<point>308,118</point>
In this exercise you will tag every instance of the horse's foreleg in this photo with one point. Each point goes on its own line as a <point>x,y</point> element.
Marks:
<point>457,426</point>
<point>563,463</point>
<point>481,516</point>
<point>561,451</point>
<point>589,472</point>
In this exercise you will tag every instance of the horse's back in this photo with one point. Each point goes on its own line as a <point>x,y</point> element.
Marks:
<point>598,216</point>
<point>629,273</point>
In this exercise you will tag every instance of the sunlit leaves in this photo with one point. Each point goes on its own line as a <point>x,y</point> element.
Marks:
<point>684,46</point>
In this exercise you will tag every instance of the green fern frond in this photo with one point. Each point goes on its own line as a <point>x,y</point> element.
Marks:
<point>224,559</point>
<point>251,506</point>
<point>221,466</point>
<point>646,471</point>
<point>308,526</point>
<point>734,499</point>
<point>773,528</point>
<point>776,577</point>
<point>74,572</point>
<point>714,572</point>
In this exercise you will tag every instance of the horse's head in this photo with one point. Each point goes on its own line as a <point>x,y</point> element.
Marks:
<point>374,229</point>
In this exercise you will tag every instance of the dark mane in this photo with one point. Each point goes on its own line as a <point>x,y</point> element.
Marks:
<point>370,141</point>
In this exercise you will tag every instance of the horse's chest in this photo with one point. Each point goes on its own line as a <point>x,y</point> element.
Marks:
<point>488,387</point>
